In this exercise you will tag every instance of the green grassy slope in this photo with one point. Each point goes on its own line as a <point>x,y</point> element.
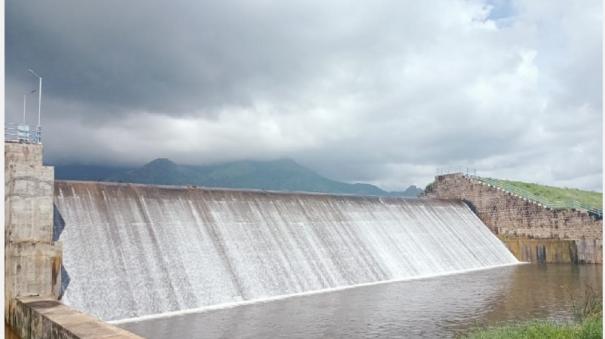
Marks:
<point>557,194</point>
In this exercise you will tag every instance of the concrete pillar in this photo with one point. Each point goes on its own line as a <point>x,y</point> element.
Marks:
<point>32,261</point>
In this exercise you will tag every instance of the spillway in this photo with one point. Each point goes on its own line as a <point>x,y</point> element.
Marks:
<point>133,250</point>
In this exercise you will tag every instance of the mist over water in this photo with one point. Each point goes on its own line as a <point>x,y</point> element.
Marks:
<point>133,250</point>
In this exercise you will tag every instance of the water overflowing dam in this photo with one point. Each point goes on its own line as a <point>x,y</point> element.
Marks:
<point>133,250</point>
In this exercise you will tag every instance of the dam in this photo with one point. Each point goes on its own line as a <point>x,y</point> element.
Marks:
<point>130,260</point>
<point>133,250</point>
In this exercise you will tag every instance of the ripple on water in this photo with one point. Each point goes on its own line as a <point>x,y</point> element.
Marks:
<point>436,307</point>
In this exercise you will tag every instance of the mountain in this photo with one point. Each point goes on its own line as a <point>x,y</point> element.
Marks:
<point>87,172</point>
<point>412,191</point>
<point>278,175</point>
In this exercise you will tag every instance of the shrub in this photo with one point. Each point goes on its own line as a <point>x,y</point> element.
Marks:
<point>589,306</point>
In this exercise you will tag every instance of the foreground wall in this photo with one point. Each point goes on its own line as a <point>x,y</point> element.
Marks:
<point>32,261</point>
<point>42,318</point>
<point>531,231</point>
<point>133,250</point>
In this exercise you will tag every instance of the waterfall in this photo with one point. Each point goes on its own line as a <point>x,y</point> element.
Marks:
<point>134,250</point>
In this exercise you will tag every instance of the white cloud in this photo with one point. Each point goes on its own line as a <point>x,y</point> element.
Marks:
<point>382,92</point>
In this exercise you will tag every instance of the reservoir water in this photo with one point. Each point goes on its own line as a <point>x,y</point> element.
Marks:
<point>438,307</point>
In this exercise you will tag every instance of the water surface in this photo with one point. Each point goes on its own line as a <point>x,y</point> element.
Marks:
<point>437,307</point>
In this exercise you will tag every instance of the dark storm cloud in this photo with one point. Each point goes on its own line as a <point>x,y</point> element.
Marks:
<point>383,92</point>
<point>179,57</point>
<point>143,56</point>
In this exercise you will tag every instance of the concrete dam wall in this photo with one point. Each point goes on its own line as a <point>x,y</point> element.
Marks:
<point>133,250</point>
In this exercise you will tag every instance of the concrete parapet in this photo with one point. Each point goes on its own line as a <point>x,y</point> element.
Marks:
<point>28,203</point>
<point>32,261</point>
<point>17,153</point>
<point>36,317</point>
<point>32,269</point>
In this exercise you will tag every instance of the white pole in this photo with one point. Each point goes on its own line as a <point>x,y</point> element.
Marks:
<point>24,105</point>
<point>39,94</point>
<point>39,100</point>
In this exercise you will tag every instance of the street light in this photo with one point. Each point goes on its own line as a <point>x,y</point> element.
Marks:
<point>24,104</point>
<point>39,94</point>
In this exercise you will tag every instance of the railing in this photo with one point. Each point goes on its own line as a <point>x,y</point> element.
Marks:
<point>22,133</point>
<point>456,169</point>
<point>559,204</point>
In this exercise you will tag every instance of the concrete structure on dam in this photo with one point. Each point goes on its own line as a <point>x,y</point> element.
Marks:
<point>32,259</point>
<point>531,231</point>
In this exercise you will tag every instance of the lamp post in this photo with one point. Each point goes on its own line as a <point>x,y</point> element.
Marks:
<point>24,105</point>
<point>39,129</point>
<point>39,93</point>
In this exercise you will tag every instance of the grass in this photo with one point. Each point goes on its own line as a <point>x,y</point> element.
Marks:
<point>588,312</point>
<point>558,194</point>
<point>588,329</point>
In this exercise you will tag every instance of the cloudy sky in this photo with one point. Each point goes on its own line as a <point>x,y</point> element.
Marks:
<point>383,92</point>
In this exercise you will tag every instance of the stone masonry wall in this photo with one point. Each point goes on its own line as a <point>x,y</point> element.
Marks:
<point>512,217</point>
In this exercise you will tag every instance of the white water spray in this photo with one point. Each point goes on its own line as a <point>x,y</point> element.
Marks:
<point>134,250</point>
